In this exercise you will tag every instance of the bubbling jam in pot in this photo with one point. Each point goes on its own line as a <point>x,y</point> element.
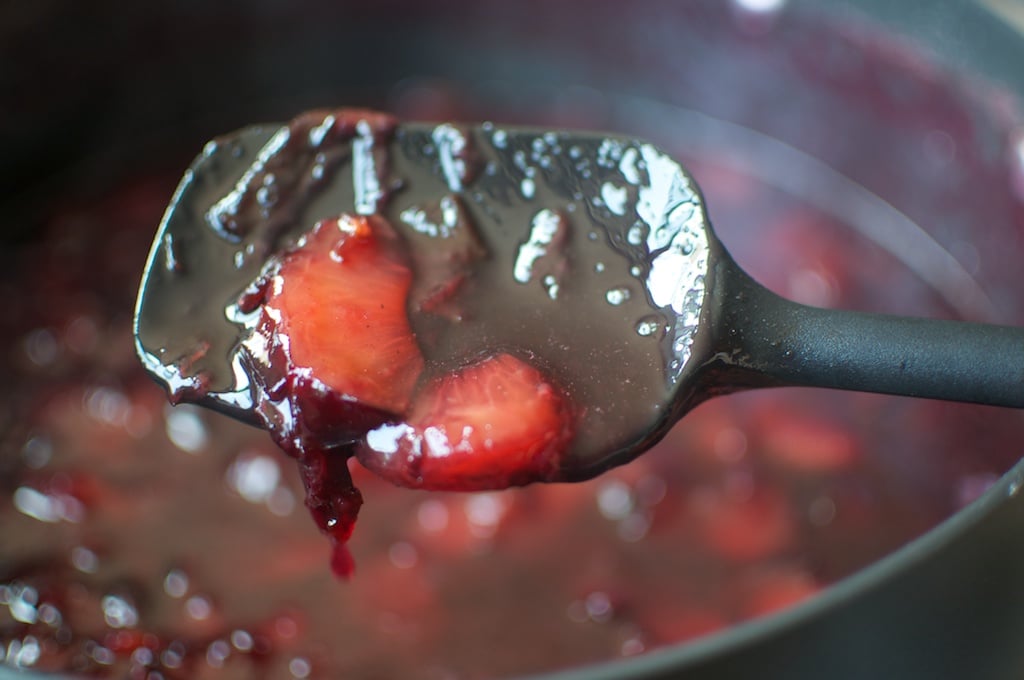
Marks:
<point>144,541</point>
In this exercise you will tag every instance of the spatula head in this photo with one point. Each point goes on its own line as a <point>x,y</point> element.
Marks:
<point>595,255</point>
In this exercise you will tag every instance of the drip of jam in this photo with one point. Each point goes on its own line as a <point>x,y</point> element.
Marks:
<point>333,501</point>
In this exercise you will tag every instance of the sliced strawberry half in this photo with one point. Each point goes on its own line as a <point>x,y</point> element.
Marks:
<point>496,423</point>
<point>334,352</point>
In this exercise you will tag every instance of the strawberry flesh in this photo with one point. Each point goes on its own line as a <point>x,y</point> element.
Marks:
<point>495,423</point>
<point>333,350</point>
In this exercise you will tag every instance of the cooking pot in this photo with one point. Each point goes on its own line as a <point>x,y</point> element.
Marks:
<point>801,94</point>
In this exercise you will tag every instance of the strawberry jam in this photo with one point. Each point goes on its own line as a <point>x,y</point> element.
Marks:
<point>145,541</point>
<point>141,538</point>
<point>444,315</point>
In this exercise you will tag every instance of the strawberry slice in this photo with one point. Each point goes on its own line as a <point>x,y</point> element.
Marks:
<point>496,423</point>
<point>334,352</point>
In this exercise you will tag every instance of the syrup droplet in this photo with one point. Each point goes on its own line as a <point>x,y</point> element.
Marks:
<point>617,296</point>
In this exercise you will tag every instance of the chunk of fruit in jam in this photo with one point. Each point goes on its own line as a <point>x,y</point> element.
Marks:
<point>495,423</point>
<point>333,352</point>
<point>443,266</point>
<point>338,370</point>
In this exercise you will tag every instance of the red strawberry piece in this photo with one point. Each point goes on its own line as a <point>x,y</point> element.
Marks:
<point>124,642</point>
<point>804,442</point>
<point>744,527</point>
<point>777,590</point>
<point>495,423</point>
<point>668,625</point>
<point>334,347</point>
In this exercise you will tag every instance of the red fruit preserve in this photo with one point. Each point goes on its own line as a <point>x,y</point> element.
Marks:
<point>144,540</point>
<point>471,308</point>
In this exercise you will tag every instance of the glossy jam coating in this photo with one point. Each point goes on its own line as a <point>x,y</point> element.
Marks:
<point>586,254</point>
<point>556,278</point>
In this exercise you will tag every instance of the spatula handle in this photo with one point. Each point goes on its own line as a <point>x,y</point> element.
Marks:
<point>762,339</point>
